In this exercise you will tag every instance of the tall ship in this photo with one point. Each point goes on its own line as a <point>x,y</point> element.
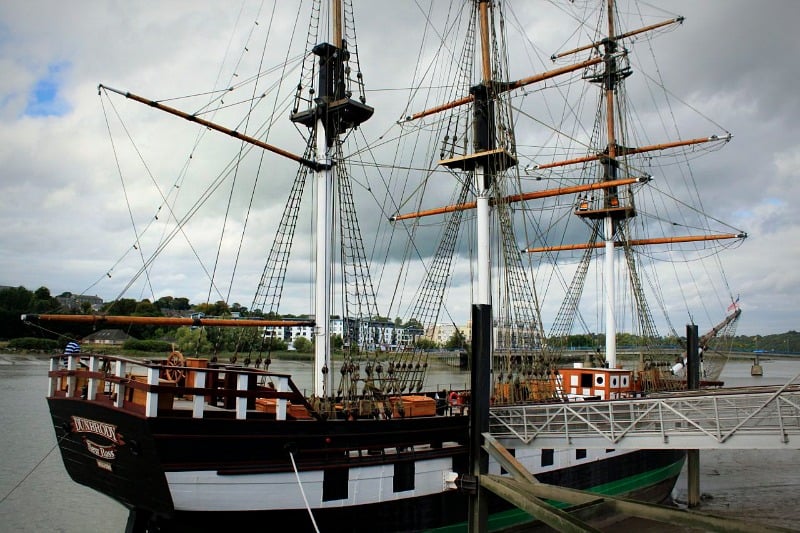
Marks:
<point>444,201</point>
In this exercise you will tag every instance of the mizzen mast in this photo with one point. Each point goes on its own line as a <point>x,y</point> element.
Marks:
<point>609,78</point>
<point>610,214</point>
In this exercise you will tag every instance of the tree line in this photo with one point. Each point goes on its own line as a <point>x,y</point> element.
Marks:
<point>15,301</point>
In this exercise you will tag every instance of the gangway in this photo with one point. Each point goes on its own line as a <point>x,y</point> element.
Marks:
<point>764,417</point>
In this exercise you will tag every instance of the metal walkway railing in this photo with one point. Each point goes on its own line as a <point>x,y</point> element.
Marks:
<point>736,418</point>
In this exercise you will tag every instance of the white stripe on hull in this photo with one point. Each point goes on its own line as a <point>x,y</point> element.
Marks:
<point>208,491</point>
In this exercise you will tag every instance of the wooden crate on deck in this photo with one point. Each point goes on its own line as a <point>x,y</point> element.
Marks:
<point>269,405</point>
<point>416,405</point>
<point>199,363</point>
<point>139,397</point>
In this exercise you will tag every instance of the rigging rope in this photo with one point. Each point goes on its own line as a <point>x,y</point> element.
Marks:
<point>32,470</point>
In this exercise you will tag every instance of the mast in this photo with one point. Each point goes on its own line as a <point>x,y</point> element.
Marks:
<point>609,79</point>
<point>486,159</point>
<point>332,113</point>
<point>608,222</point>
<point>484,138</point>
<point>323,183</point>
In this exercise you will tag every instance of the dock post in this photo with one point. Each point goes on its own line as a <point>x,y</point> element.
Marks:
<point>693,474</point>
<point>479,413</point>
<point>693,383</point>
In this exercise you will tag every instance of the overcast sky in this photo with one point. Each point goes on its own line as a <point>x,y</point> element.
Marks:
<point>64,221</point>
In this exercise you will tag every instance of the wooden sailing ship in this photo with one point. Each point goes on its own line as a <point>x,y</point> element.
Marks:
<point>192,444</point>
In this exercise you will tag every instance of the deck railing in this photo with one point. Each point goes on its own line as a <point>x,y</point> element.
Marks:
<point>145,385</point>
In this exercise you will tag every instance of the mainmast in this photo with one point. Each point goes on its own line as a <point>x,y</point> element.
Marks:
<point>487,159</point>
<point>332,113</point>
<point>484,140</point>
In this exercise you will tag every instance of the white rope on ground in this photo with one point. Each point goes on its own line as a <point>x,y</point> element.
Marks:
<point>308,507</point>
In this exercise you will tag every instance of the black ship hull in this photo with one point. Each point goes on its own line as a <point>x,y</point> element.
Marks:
<point>179,473</point>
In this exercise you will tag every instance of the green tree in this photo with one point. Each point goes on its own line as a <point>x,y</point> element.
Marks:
<point>274,344</point>
<point>336,341</point>
<point>192,340</point>
<point>456,340</point>
<point>43,302</point>
<point>219,308</point>
<point>15,298</point>
<point>301,344</point>
<point>42,293</point>
<point>146,308</point>
<point>123,306</point>
<point>14,301</point>
<point>165,302</point>
<point>424,343</point>
<point>238,308</point>
<point>238,339</point>
<point>413,323</point>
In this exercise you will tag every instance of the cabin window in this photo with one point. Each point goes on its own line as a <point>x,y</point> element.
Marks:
<point>334,484</point>
<point>403,476</point>
<point>586,380</point>
<point>547,457</point>
<point>580,453</point>
<point>513,453</point>
<point>609,450</point>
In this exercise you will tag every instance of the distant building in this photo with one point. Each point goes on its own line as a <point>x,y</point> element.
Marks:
<point>75,301</point>
<point>368,334</point>
<point>441,333</point>
<point>113,337</point>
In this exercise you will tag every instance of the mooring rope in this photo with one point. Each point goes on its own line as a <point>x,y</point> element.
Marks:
<point>32,470</point>
<point>299,484</point>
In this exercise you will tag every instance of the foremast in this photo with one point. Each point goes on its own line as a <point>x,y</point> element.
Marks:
<point>331,113</point>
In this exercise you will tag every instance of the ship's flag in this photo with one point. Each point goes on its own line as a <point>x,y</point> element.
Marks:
<point>734,304</point>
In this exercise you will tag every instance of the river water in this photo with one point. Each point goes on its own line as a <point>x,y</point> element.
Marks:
<point>36,494</point>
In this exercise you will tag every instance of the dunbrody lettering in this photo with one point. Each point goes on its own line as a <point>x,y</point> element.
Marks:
<point>87,425</point>
<point>104,452</point>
